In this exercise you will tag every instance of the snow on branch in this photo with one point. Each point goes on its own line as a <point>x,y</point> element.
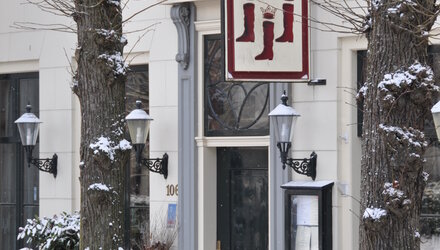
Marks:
<point>112,35</point>
<point>411,136</point>
<point>395,199</point>
<point>363,91</point>
<point>99,187</point>
<point>405,147</point>
<point>116,3</point>
<point>416,234</point>
<point>400,7</point>
<point>106,146</point>
<point>416,76</point>
<point>374,213</point>
<point>425,176</point>
<point>391,191</point>
<point>376,4</point>
<point>116,62</point>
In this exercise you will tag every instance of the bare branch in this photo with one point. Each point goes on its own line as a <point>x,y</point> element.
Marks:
<point>144,9</point>
<point>39,26</point>
<point>139,39</point>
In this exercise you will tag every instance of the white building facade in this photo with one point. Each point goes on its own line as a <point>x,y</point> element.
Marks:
<point>224,174</point>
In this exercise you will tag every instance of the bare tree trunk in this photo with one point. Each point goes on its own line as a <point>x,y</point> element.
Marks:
<point>104,152</point>
<point>395,107</point>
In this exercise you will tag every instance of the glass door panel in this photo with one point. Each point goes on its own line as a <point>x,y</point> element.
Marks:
<point>242,198</point>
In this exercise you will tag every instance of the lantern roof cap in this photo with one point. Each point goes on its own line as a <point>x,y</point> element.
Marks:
<point>138,114</point>
<point>283,109</point>
<point>28,117</point>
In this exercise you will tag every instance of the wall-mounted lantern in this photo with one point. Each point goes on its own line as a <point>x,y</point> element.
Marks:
<point>138,122</point>
<point>284,118</point>
<point>28,125</point>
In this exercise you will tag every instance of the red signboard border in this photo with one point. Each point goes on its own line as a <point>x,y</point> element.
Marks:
<point>266,75</point>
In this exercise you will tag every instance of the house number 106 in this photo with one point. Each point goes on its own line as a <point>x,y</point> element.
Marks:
<point>172,190</point>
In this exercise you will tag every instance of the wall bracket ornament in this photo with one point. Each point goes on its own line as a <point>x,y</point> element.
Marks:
<point>181,17</point>
<point>48,165</point>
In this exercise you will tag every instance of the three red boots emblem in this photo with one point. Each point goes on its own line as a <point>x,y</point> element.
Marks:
<point>268,28</point>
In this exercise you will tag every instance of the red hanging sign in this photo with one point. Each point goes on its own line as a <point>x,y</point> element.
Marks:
<point>266,40</point>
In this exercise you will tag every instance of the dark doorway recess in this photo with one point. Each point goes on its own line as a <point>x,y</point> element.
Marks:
<point>242,198</point>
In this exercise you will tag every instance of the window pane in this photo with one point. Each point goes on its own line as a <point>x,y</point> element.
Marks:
<point>137,88</point>
<point>139,192</point>
<point>140,227</point>
<point>18,184</point>
<point>31,181</point>
<point>29,94</point>
<point>8,228</point>
<point>8,169</point>
<point>430,218</point>
<point>7,112</point>
<point>232,108</point>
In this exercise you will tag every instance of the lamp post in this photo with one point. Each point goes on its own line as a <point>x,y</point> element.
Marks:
<point>138,122</point>
<point>284,118</point>
<point>28,125</point>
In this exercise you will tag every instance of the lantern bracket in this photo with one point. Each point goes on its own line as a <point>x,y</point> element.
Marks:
<point>156,165</point>
<point>305,166</point>
<point>48,165</point>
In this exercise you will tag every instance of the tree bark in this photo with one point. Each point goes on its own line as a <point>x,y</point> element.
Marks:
<point>393,145</point>
<point>100,87</point>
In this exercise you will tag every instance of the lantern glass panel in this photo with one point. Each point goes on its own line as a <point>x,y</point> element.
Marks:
<point>284,127</point>
<point>138,130</point>
<point>28,133</point>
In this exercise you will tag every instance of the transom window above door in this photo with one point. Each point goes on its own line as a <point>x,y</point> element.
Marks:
<point>231,108</point>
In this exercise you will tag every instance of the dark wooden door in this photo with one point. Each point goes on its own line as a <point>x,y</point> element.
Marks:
<point>242,198</point>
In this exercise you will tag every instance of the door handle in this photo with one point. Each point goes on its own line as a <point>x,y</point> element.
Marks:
<point>219,245</point>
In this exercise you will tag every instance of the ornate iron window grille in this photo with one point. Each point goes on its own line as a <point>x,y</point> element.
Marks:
<point>232,108</point>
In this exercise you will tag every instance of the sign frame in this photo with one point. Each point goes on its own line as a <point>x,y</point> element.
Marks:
<point>229,40</point>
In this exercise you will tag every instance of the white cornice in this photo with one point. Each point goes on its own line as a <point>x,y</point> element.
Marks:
<point>211,25</point>
<point>251,141</point>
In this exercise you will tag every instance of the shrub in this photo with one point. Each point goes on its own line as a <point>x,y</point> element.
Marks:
<point>59,232</point>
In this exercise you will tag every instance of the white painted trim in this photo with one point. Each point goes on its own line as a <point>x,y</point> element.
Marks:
<point>348,153</point>
<point>19,67</point>
<point>137,58</point>
<point>251,141</point>
<point>210,27</point>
